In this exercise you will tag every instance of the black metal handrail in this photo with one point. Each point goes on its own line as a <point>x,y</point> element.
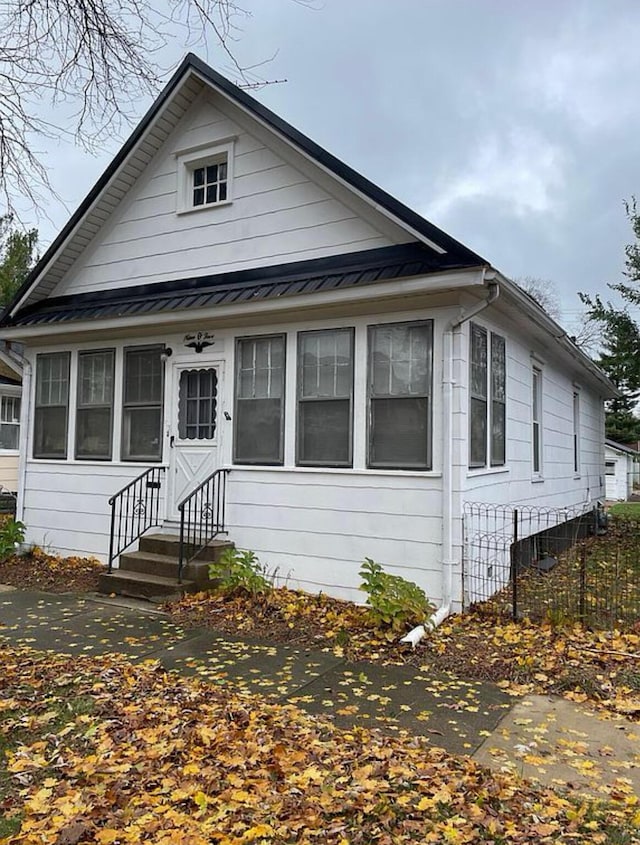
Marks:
<point>134,510</point>
<point>202,516</point>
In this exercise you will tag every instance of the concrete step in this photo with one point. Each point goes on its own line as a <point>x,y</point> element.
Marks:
<point>169,545</point>
<point>143,585</point>
<point>165,566</point>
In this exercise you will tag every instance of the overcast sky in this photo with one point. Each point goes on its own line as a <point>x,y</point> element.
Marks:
<point>512,125</point>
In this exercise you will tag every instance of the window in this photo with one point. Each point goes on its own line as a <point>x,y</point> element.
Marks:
<point>9,422</point>
<point>576,432</point>
<point>94,412</point>
<point>209,183</point>
<point>142,404</point>
<point>536,419</point>
<point>51,405</point>
<point>400,376</point>
<point>610,468</point>
<point>197,402</point>
<point>478,400</point>
<point>259,416</point>
<point>498,400</point>
<point>325,397</point>
<point>488,396</point>
<point>204,176</point>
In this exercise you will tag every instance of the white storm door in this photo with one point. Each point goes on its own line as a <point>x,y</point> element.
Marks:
<point>194,440</point>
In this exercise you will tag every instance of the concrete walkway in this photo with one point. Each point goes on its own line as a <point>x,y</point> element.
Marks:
<point>545,738</point>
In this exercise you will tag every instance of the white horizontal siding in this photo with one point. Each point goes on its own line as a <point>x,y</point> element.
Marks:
<point>277,214</point>
<point>66,506</point>
<point>317,530</point>
<point>559,485</point>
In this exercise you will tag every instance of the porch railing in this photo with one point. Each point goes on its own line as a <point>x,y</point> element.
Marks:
<point>202,516</point>
<point>134,510</point>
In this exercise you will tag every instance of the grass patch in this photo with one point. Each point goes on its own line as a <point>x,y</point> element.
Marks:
<point>625,510</point>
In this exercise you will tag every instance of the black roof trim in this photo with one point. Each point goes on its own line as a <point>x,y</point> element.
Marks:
<point>315,151</point>
<point>309,276</point>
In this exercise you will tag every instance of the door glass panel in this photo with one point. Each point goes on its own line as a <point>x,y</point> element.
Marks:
<point>197,404</point>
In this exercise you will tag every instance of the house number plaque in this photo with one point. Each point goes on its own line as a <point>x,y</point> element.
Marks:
<point>199,340</point>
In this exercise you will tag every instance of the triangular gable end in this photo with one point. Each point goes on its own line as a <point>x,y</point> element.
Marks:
<point>192,78</point>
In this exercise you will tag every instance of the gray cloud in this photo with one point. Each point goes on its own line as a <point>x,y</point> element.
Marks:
<point>512,125</point>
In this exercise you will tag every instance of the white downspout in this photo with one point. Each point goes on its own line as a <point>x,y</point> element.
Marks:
<point>25,423</point>
<point>450,485</point>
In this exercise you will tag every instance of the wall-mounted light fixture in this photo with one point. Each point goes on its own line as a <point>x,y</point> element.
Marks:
<point>167,352</point>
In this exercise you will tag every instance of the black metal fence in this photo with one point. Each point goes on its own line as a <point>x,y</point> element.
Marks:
<point>554,564</point>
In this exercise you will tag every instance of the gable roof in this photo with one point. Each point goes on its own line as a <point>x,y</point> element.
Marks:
<point>620,447</point>
<point>186,83</point>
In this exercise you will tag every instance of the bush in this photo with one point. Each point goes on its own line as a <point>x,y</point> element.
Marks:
<point>393,601</point>
<point>11,536</point>
<point>240,571</point>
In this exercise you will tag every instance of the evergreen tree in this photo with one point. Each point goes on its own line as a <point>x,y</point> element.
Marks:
<point>620,354</point>
<point>18,255</point>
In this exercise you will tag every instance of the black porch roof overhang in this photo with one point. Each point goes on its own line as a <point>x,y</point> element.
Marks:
<point>241,286</point>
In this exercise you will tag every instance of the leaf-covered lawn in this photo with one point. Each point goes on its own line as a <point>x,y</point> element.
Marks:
<point>101,751</point>
<point>38,570</point>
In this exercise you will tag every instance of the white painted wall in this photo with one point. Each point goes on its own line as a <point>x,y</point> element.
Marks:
<point>620,484</point>
<point>278,213</point>
<point>316,526</point>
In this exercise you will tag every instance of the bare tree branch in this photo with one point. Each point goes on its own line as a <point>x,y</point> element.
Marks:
<point>95,58</point>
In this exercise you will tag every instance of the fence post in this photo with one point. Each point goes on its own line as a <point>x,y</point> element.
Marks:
<point>583,583</point>
<point>514,567</point>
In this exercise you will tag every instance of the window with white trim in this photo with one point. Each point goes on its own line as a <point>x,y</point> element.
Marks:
<point>400,390</point>
<point>51,405</point>
<point>536,420</point>
<point>610,468</point>
<point>9,422</point>
<point>325,398</point>
<point>259,411</point>
<point>94,405</point>
<point>487,398</point>
<point>205,177</point>
<point>143,389</point>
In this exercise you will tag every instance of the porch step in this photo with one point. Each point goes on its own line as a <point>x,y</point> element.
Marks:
<point>166,566</point>
<point>143,585</point>
<point>168,545</point>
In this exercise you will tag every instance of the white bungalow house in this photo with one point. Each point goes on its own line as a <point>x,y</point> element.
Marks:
<point>235,311</point>
<point>622,470</point>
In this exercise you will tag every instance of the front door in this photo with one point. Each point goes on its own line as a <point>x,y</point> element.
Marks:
<point>194,439</point>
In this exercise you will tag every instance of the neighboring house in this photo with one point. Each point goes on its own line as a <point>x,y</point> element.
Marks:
<point>230,295</point>
<point>622,470</point>
<point>10,393</point>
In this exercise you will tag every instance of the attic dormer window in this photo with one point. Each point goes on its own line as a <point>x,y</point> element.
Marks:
<point>204,176</point>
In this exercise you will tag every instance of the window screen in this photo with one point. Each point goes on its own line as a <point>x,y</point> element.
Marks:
<point>51,405</point>
<point>259,412</point>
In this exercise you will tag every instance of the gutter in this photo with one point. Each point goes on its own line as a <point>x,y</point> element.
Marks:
<point>451,482</point>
